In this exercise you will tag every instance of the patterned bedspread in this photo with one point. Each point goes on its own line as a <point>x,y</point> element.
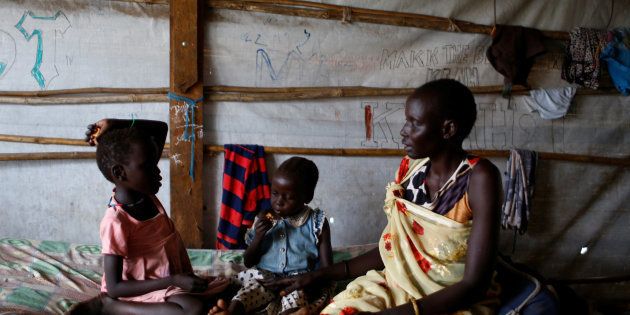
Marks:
<point>47,277</point>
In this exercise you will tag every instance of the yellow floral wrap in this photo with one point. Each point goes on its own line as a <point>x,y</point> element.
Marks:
<point>423,252</point>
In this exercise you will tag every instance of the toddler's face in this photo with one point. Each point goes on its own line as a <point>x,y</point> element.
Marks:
<point>143,174</point>
<point>286,199</point>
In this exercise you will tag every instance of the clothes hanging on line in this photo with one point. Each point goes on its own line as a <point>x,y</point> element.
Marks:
<point>581,61</point>
<point>519,189</point>
<point>245,191</point>
<point>550,103</point>
<point>616,55</point>
<point>513,51</point>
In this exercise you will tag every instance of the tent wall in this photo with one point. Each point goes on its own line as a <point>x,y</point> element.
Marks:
<point>115,44</point>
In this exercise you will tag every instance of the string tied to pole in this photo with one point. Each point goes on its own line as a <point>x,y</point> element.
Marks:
<point>189,125</point>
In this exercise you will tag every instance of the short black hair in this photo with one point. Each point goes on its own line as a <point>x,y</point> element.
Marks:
<point>304,172</point>
<point>452,100</point>
<point>114,147</point>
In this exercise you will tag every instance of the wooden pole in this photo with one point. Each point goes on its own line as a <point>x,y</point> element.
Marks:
<point>89,90</point>
<point>80,100</point>
<point>214,149</point>
<point>42,140</point>
<point>625,162</point>
<point>39,156</point>
<point>336,12</point>
<point>186,119</point>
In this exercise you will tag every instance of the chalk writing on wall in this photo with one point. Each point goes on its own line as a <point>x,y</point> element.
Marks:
<point>35,26</point>
<point>301,62</point>
<point>8,51</point>
<point>498,127</point>
<point>379,132</point>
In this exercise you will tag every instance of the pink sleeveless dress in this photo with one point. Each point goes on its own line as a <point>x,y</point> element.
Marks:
<point>151,249</point>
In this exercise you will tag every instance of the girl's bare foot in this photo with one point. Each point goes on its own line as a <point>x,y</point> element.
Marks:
<point>221,308</point>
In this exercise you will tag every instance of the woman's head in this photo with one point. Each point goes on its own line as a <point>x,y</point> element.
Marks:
<point>438,114</point>
<point>293,185</point>
<point>128,157</point>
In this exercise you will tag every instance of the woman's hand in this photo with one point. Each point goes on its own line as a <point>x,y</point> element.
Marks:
<point>189,282</point>
<point>290,284</point>
<point>97,129</point>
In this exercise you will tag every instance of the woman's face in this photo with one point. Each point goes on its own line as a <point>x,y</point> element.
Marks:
<point>422,133</point>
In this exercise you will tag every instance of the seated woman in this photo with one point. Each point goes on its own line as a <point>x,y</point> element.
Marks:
<point>437,253</point>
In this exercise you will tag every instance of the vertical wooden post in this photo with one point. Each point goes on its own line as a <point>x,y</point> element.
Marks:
<point>186,46</point>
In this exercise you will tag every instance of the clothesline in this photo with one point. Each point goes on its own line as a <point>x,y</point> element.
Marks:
<point>86,96</point>
<point>215,149</point>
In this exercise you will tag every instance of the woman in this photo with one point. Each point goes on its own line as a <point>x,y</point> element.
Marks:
<point>437,253</point>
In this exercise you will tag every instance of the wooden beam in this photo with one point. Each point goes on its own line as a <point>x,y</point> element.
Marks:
<point>186,120</point>
<point>316,10</point>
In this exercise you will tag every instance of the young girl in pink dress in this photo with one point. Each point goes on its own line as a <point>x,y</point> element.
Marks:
<point>147,269</point>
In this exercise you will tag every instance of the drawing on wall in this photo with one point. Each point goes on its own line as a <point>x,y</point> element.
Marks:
<point>46,30</point>
<point>8,52</point>
<point>379,132</point>
<point>301,62</point>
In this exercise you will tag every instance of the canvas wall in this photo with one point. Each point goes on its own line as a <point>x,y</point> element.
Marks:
<point>114,44</point>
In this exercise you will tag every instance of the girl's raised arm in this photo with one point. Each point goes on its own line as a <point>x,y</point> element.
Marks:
<point>155,128</point>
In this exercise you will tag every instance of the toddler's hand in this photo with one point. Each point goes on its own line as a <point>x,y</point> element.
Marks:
<point>262,226</point>
<point>189,282</point>
<point>217,284</point>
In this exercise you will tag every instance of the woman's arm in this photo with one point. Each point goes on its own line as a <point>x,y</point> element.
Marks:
<point>484,196</point>
<point>116,287</point>
<point>349,269</point>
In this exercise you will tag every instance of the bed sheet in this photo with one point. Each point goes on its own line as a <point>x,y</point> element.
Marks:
<point>47,277</point>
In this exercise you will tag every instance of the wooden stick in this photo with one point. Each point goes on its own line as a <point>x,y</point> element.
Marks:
<point>345,152</point>
<point>90,90</point>
<point>78,100</point>
<point>335,12</point>
<point>161,2</point>
<point>42,140</point>
<point>37,156</point>
<point>213,149</point>
<point>233,94</point>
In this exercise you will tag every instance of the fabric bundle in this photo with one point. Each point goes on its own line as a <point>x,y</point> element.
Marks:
<point>616,55</point>
<point>581,61</point>
<point>513,51</point>
<point>519,189</point>
<point>245,192</point>
<point>550,103</point>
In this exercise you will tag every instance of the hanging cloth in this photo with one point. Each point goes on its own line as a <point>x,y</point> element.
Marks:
<point>616,55</point>
<point>550,103</point>
<point>581,61</point>
<point>245,192</point>
<point>519,189</point>
<point>513,51</point>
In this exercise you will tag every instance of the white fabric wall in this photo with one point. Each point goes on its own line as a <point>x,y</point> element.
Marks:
<point>126,45</point>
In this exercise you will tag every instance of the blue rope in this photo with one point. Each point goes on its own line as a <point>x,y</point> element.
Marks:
<point>189,128</point>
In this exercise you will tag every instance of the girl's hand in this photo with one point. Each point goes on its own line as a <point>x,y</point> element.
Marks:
<point>216,285</point>
<point>290,284</point>
<point>262,226</point>
<point>189,282</point>
<point>97,129</point>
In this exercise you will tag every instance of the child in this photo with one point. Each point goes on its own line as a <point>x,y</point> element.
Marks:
<point>147,269</point>
<point>288,240</point>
